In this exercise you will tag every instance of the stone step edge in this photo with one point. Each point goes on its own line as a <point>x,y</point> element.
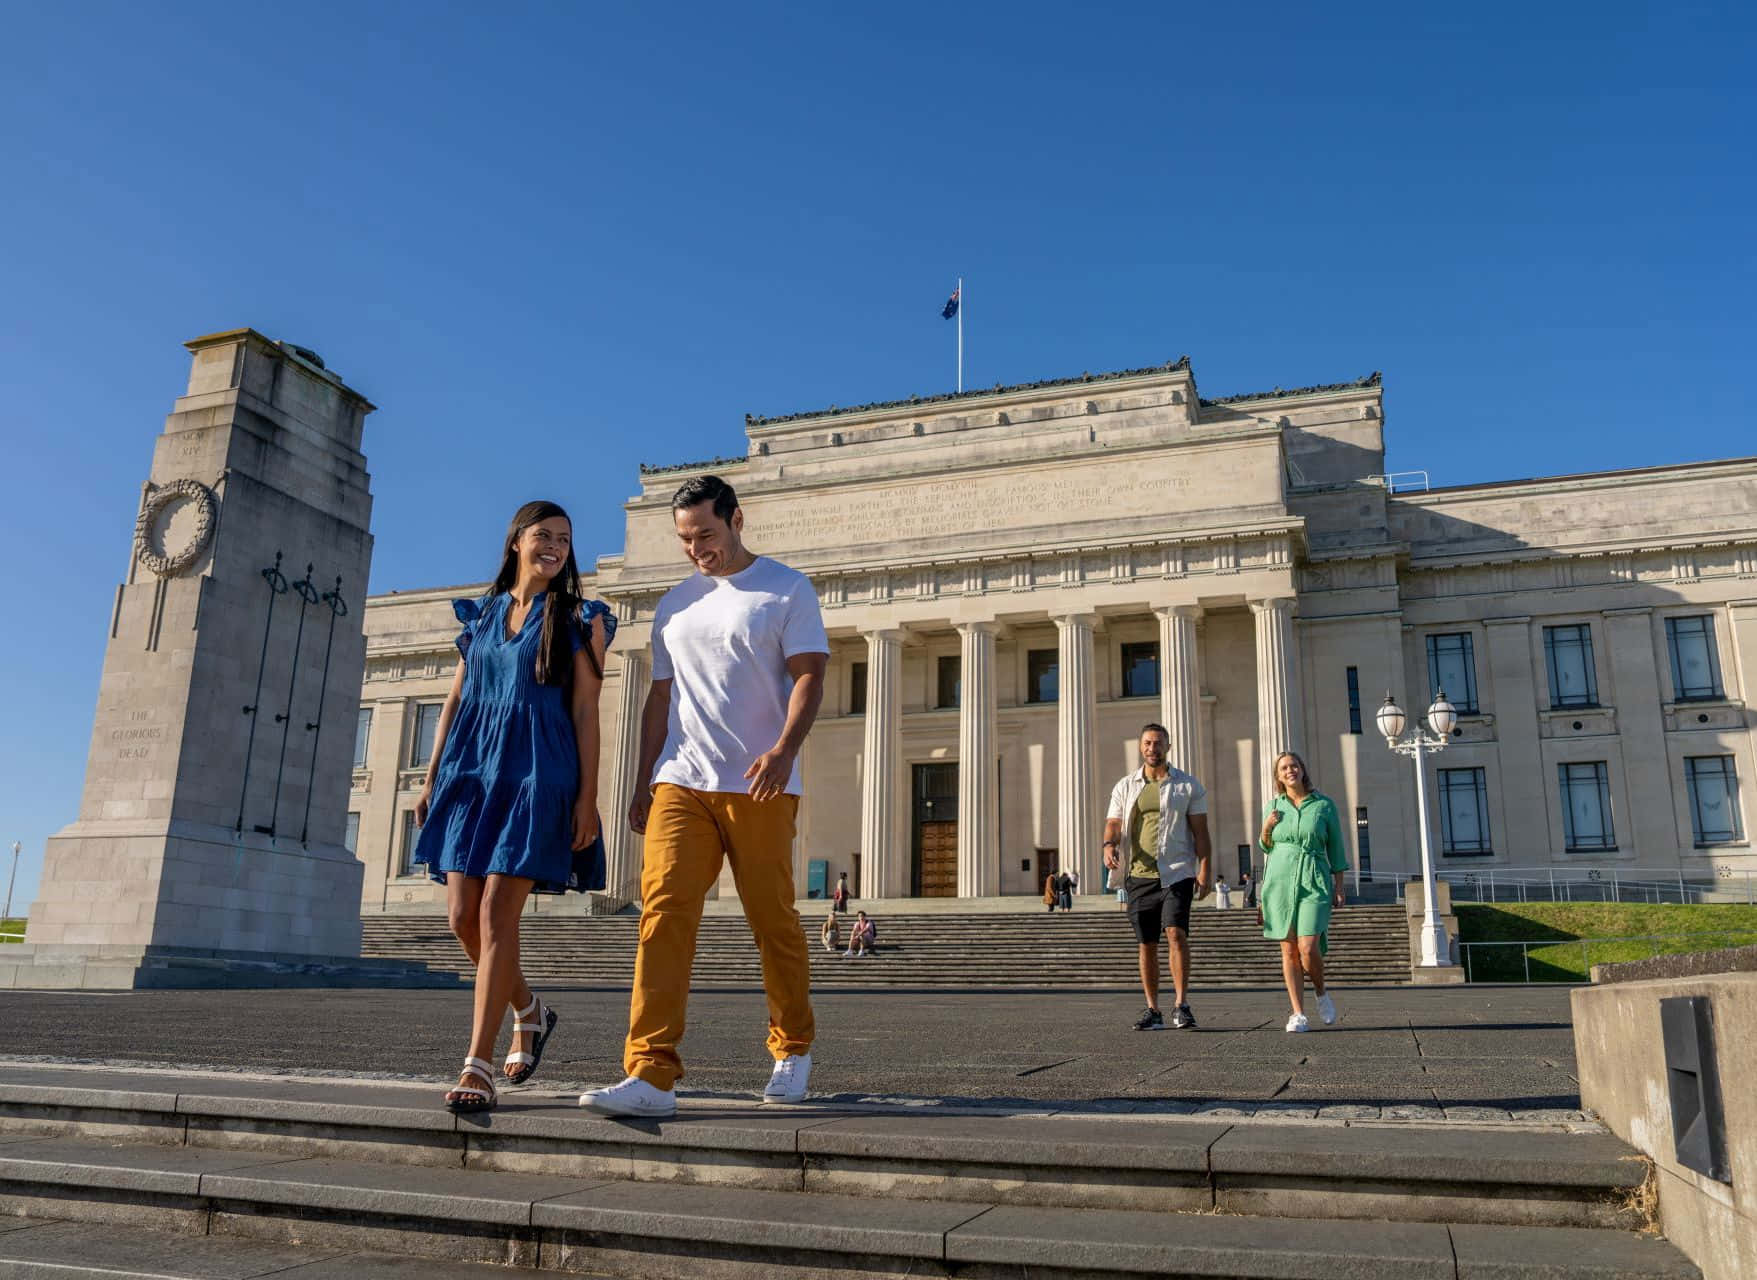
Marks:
<point>1062,1138</point>
<point>434,1212</point>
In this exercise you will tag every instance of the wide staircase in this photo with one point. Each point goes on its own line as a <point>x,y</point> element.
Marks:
<point>1368,944</point>
<point>161,1175</point>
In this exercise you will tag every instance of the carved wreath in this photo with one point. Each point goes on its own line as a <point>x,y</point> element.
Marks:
<point>169,564</point>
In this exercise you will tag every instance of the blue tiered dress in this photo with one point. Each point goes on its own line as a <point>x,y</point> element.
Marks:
<point>509,774</point>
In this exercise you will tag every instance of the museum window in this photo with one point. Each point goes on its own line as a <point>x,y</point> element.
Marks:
<point>1363,843</point>
<point>362,737</point>
<point>1464,813</point>
<point>1042,675</point>
<point>1354,699</point>
<point>1695,666</point>
<point>406,844</point>
<point>1714,800</point>
<point>1141,669</point>
<point>351,834</point>
<point>857,689</point>
<point>950,671</point>
<point>426,726</point>
<point>1586,808</point>
<point>1452,667</point>
<point>1567,654</point>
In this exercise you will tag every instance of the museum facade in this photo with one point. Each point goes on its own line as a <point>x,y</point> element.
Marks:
<point>1015,581</point>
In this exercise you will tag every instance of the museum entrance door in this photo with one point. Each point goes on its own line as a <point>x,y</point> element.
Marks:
<point>935,820</point>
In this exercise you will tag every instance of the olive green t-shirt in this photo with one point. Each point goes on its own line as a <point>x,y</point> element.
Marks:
<point>1144,832</point>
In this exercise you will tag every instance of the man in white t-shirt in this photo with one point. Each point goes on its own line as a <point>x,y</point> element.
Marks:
<point>739,653</point>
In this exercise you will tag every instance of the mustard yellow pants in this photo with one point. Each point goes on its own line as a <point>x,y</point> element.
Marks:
<point>688,833</point>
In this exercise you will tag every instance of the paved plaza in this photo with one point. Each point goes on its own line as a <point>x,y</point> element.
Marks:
<point>1466,1053</point>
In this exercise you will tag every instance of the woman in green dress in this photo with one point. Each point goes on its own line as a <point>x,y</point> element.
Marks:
<point>1302,880</point>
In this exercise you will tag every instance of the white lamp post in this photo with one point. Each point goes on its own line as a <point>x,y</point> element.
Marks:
<point>1436,948</point>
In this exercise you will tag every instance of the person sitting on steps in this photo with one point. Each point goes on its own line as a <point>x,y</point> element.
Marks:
<point>865,934</point>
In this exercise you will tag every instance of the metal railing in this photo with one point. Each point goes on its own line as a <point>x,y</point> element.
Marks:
<point>1525,945</point>
<point>1401,481</point>
<point>1599,884</point>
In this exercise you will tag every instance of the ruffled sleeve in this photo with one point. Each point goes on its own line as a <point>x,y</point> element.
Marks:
<point>468,612</point>
<point>582,631</point>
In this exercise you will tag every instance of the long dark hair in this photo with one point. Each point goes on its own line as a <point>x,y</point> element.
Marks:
<point>562,609</point>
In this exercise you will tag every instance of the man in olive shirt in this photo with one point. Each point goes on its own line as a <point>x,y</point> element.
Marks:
<point>1156,836</point>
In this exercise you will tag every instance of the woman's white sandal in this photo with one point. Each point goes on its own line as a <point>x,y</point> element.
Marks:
<point>472,1098</point>
<point>521,1066</point>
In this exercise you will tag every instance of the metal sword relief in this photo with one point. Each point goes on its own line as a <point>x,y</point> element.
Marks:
<point>331,602</point>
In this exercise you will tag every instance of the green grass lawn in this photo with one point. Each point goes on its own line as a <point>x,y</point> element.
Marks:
<point>11,930</point>
<point>1564,924</point>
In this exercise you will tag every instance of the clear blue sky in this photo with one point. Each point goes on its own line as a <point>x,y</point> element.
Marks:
<point>552,241</point>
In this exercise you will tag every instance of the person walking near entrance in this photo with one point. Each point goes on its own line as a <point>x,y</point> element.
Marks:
<point>739,653</point>
<point>1051,895</point>
<point>510,804</point>
<point>1302,880</point>
<point>1156,840</point>
<point>839,899</point>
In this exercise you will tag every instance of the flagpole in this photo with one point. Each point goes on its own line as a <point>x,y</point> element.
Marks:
<point>960,333</point>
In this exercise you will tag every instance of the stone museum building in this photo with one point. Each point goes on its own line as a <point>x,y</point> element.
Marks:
<point>1016,580</point>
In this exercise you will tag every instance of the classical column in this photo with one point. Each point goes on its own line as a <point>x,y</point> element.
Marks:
<point>978,783</point>
<point>1278,727</point>
<point>1078,817</point>
<point>622,846</point>
<point>882,853</point>
<point>1180,706</point>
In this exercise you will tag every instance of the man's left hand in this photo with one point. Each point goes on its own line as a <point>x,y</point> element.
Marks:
<point>1203,888</point>
<point>770,773</point>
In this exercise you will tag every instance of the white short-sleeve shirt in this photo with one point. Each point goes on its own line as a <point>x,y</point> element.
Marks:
<point>723,642</point>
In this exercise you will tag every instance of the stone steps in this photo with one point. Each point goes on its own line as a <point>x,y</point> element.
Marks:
<point>339,1168</point>
<point>1369,945</point>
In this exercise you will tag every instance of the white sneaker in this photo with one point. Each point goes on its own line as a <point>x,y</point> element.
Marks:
<point>1326,1009</point>
<point>633,1097</point>
<point>788,1081</point>
<point>1298,1023</point>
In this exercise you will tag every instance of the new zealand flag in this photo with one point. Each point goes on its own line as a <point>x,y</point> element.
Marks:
<point>952,304</point>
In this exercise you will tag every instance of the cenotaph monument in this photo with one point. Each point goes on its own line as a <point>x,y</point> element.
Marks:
<point>208,847</point>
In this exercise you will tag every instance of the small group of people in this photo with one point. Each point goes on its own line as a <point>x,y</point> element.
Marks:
<point>1059,889</point>
<point>510,802</point>
<point>862,934</point>
<point>509,806</point>
<point>1159,854</point>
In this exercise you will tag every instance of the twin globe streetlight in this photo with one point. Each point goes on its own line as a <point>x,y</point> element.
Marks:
<point>1442,718</point>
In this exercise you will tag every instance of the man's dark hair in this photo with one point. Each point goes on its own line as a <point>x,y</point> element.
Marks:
<point>1149,728</point>
<point>702,489</point>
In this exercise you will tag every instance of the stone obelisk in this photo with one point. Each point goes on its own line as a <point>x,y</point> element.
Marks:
<point>208,847</point>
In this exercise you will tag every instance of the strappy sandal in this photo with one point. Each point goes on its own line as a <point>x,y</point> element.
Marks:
<point>521,1065</point>
<point>470,1098</point>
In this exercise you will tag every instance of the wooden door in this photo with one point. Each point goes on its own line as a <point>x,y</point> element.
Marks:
<point>939,859</point>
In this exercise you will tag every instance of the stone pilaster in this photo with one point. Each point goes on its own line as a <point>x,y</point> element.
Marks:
<point>1180,706</point>
<point>1078,817</point>
<point>1278,727</point>
<point>621,845</point>
<point>1638,695</point>
<point>884,865</point>
<point>978,781</point>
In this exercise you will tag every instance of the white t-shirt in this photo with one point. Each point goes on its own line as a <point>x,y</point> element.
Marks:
<point>724,644</point>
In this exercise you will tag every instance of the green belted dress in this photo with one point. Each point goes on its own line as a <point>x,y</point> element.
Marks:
<point>1297,885</point>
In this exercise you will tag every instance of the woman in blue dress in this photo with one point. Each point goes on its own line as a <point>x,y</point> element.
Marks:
<point>510,806</point>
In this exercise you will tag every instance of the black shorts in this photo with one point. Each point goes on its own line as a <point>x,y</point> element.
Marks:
<point>1154,908</point>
